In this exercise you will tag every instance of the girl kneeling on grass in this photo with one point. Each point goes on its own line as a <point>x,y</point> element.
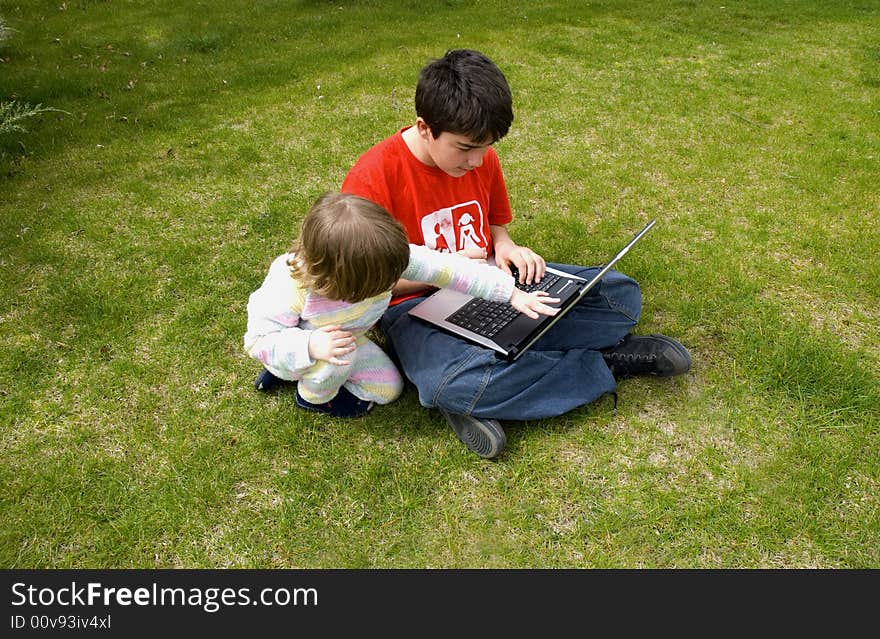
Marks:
<point>308,321</point>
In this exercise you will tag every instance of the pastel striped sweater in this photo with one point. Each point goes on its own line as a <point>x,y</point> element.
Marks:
<point>282,315</point>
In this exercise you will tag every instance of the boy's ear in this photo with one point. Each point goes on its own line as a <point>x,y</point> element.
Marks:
<point>423,129</point>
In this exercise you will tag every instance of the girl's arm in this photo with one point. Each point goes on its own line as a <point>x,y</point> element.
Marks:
<point>473,277</point>
<point>273,334</point>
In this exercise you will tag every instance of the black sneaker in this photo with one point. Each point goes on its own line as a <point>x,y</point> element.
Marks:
<point>647,355</point>
<point>483,436</point>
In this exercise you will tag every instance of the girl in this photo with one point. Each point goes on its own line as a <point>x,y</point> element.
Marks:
<point>308,321</point>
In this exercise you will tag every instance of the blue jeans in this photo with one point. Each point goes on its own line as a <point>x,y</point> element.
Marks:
<point>561,371</point>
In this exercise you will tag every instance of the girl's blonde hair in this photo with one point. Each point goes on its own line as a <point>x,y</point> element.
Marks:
<point>349,248</point>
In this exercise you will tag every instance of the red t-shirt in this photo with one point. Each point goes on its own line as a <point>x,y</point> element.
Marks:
<point>439,211</point>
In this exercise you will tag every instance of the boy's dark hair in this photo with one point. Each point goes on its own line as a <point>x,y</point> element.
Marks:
<point>464,93</point>
<point>349,248</point>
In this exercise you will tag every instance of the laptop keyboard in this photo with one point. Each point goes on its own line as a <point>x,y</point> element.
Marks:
<point>487,318</point>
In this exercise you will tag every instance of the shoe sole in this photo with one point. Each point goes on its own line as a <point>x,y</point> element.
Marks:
<point>485,437</point>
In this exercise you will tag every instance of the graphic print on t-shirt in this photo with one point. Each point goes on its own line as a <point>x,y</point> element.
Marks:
<point>455,228</point>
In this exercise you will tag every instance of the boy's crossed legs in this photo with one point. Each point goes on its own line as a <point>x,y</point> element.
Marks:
<point>574,364</point>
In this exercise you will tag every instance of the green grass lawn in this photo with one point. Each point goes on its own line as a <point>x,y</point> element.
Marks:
<point>189,140</point>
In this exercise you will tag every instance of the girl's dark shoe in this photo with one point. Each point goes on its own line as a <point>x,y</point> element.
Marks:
<point>343,405</point>
<point>266,381</point>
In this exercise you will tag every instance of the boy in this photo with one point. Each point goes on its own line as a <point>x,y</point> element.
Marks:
<point>443,181</point>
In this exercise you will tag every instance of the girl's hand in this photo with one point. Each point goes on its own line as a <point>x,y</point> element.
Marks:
<point>533,304</point>
<point>329,343</point>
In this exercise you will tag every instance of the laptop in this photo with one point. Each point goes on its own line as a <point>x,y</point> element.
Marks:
<point>498,325</point>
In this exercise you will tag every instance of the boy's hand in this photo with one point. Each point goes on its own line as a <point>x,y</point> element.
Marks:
<point>531,266</point>
<point>329,343</point>
<point>533,303</point>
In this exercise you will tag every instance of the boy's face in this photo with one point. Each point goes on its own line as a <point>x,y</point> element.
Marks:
<point>452,153</point>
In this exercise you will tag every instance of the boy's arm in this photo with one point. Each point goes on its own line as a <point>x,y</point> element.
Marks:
<point>531,266</point>
<point>407,287</point>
